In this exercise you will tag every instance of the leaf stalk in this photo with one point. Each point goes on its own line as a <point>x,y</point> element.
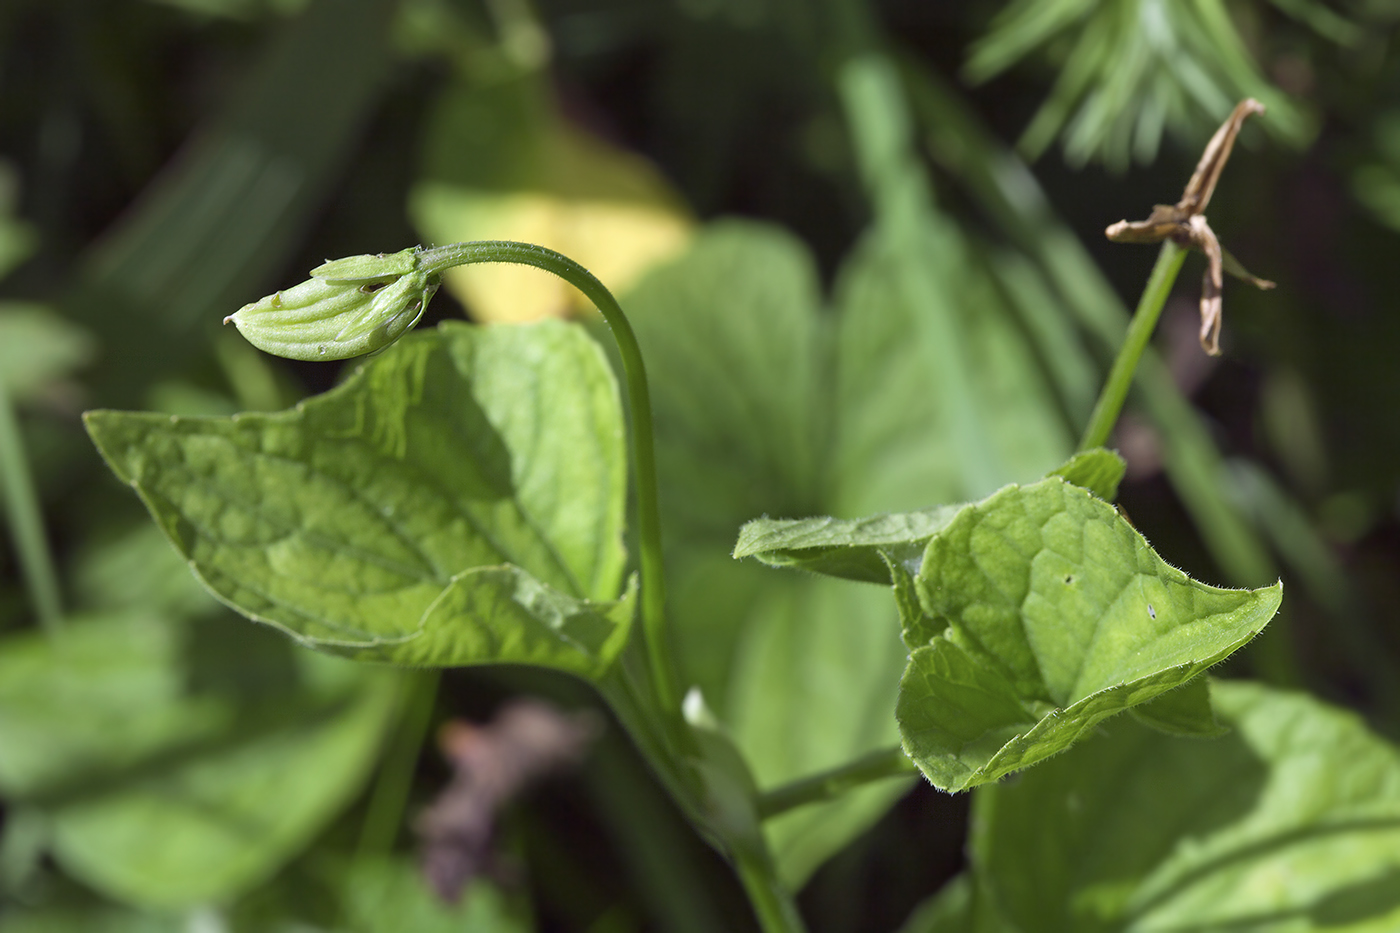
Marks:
<point>826,785</point>
<point>772,904</point>
<point>1120,377</point>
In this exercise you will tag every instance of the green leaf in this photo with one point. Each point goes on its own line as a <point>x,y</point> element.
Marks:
<point>948,911</point>
<point>1291,822</point>
<point>220,824</point>
<point>458,500</point>
<point>507,616</point>
<point>183,764</point>
<point>1098,470</point>
<point>391,895</point>
<point>87,920</point>
<point>858,549</point>
<point>95,701</point>
<point>862,549</point>
<point>1185,711</point>
<point>913,617</point>
<point>733,339</point>
<point>813,687</point>
<point>37,346</point>
<point>1049,614</point>
<point>898,411</point>
<point>138,570</point>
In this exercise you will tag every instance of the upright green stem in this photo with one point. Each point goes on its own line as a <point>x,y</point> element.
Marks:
<point>643,445</point>
<point>877,766</point>
<point>772,904</point>
<point>26,523</point>
<point>1120,377</point>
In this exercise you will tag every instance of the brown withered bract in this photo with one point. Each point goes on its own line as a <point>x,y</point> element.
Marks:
<point>1185,224</point>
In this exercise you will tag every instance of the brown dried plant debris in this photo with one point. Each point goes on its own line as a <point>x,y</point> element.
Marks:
<point>1185,224</point>
<point>491,764</point>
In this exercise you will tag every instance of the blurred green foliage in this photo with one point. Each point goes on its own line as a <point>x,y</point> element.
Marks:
<point>907,315</point>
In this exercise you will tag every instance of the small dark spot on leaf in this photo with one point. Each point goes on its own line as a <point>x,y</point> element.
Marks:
<point>1069,578</point>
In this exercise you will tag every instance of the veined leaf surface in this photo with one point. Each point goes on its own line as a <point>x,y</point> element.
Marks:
<point>1043,613</point>
<point>853,549</point>
<point>459,500</point>
<point>1290,822</point>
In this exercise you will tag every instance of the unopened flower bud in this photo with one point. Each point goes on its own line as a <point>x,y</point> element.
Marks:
<point>348,308</point>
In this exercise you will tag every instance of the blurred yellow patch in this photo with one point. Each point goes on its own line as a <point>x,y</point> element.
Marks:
<point>501,164</point>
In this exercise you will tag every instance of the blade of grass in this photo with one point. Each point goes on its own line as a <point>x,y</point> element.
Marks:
<point>26,522</point>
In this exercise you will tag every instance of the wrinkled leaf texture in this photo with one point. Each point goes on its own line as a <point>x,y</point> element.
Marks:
<point>458,500</point>
<point>1030,617</point>
<point>1290,822</point>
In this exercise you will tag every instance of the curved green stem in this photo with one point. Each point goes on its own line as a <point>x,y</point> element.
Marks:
<point>1120,377</point>
<point>877,766</point>
<point>643,446</point>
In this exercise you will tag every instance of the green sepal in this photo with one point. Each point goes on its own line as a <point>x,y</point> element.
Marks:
<point>370,266</point>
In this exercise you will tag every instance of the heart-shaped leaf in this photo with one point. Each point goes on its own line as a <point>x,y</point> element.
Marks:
<point>458,500</point>
<point>1043,613</point>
